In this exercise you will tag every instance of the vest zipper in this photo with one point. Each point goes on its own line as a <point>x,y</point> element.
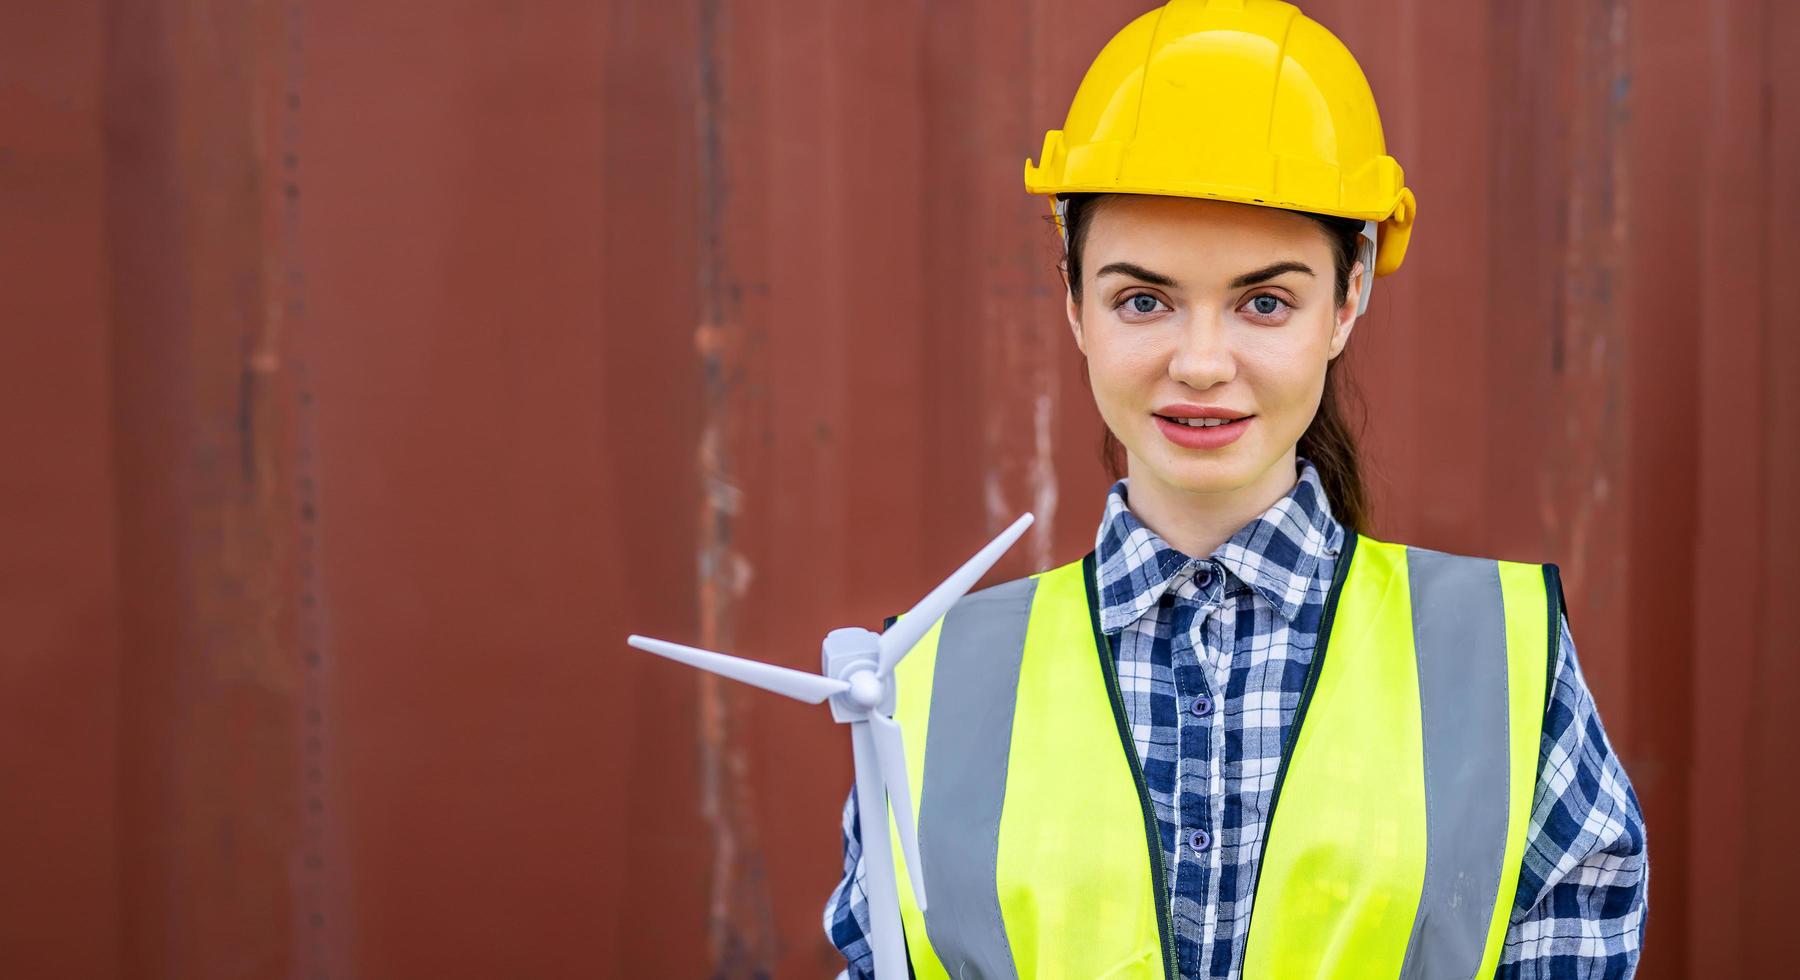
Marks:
<point>1152,831</point>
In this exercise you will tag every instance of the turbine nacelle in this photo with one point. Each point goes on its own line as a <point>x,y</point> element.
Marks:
<point>853,654</point>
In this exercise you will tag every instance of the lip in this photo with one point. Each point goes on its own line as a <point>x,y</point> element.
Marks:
<point>1209,437</point>
<point>1189,410</point>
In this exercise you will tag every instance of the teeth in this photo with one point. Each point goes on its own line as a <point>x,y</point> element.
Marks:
<point>1201,423</point>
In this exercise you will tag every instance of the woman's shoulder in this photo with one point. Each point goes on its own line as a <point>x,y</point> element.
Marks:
<point>1368,544</point>
<point>1450,576</point>
<point>1067,575</point>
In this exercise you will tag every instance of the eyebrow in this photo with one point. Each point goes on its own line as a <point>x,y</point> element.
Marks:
<point>1268,272</point>
<point>1263,274</point>
<point>1135,271</point>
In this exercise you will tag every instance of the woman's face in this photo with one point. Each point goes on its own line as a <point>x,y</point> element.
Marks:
<point>1196,309</point>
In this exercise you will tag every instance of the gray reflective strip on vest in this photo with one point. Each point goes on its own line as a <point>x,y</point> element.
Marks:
<point>1459,635</point>
<point>973,690</point>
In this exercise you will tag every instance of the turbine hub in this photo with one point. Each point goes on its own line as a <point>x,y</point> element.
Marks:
<point>866,690</point>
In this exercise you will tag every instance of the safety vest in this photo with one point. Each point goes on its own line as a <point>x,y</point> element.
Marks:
<point>1399,810</point>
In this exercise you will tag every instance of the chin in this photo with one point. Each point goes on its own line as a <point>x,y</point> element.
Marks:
<point>1218,472</point>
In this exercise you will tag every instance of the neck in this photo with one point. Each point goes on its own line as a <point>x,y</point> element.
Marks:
<point>1197,523</point>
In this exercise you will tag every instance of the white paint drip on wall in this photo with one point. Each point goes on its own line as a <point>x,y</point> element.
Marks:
<point>1043,480</point>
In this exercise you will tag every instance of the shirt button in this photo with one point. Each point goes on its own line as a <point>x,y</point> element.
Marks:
<point>1201,707</point>
<point>1199,840</point>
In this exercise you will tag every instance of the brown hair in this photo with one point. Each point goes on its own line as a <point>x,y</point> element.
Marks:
<point>1330,440</point>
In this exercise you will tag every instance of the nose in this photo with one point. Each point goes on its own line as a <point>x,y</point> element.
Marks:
<point>1203,355</point>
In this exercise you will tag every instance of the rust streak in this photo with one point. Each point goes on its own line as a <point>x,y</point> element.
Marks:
<point>740,923</point>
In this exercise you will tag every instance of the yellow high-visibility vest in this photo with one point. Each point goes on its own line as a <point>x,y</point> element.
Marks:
<point>1399,810</point>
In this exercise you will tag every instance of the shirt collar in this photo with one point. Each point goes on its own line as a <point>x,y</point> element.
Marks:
<point>1276,554</point>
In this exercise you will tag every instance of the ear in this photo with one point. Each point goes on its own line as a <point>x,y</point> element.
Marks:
<point>1345,321</point>
<point>1072,309</point>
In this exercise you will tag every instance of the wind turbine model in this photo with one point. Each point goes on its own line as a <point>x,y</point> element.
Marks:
<point>858,678</point>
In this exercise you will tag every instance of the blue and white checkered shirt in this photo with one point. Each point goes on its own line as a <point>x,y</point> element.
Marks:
<point>1212,655</point>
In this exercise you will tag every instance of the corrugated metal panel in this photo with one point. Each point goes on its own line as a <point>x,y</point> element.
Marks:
<point>59,633</point>
<point>394,363</point>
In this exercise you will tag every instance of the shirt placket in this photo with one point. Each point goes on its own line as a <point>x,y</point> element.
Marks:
<point>1198,751</point>
<point>1220,644</point>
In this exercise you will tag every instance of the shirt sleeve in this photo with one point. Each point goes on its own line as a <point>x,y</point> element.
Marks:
<point>1580,907</point>
<point>847,910</point>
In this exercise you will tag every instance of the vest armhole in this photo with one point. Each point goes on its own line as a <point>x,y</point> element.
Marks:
<point>887,623</point>
<point>1559,611</point>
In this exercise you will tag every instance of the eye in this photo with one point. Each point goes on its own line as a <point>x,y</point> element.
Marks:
<point>1267,306</point>
<point>1141,305</point>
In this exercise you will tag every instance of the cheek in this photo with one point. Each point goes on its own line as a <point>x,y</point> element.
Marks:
<point>1287,368</point>
<point>1124,360</point>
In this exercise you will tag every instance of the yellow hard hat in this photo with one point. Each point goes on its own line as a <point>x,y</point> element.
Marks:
<point>1236,100</point>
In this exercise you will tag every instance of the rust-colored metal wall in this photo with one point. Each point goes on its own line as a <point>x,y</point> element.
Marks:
<point>59,599</point>
<point>368,370</point>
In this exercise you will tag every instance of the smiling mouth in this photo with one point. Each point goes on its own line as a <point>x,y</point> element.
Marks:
<point>1201,423</point>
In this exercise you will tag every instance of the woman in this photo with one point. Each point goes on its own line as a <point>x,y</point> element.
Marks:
<point>1243,738</point>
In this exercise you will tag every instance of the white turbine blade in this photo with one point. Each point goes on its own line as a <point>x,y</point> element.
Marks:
<point>919,619</point>
<point>887,940</point>
<point>890,750</point>
<point>796,684</point>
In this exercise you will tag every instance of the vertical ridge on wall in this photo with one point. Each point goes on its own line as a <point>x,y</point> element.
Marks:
<point>322,917</point>
<point>741,935</point>
<point>60,907</point>
<point>209,829</point>
<point>1742,381</point>
<point>1649,677</point>
<point>1774,677</point>
<point>1667,447</point>
<point>651,894</point>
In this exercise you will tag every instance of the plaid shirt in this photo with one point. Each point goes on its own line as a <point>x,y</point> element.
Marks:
<point>1212,656</point>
